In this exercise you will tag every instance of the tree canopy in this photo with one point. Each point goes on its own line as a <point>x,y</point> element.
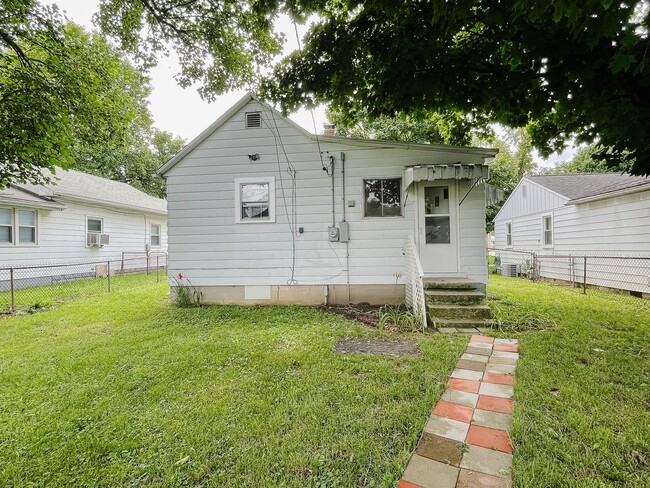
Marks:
<point>561,68</point>
<point>68,99</point>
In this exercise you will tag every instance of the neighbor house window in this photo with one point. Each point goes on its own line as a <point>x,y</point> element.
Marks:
<point>95,225</point>
<point>6,226</point>
<point>382,197</point>
<point>18,226</point>
<point>255,199</point>
<point>155,234</point>
<point>508,234</point>
<point>547,230</point>
<point>26,226</point>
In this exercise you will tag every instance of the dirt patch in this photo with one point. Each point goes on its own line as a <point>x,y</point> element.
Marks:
<point>376,346</point>
<point>363,313</point>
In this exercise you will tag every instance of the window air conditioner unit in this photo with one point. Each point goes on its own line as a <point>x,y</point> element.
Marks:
<point>510,270</point>
<point>97,240</point>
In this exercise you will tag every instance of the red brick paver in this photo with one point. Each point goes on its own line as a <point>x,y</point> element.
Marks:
<point>489,438</point>
<point>488,460</point>
<point>470,386</point>
<point>499,379</point>
<point>454,411</point>
<point>495,404</point>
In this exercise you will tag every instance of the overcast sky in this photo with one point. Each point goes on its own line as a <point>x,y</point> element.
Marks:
<point>182,112</point>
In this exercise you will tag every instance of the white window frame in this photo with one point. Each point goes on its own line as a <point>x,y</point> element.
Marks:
<point>261,180</point>
<point>382,217</point>
<point>18,225</point>
<point>152,234</point>
<point>91,217</point>
<point>508,233</point>
<point>15,227</point>
<point>12,227</point>
<point>551,230</point>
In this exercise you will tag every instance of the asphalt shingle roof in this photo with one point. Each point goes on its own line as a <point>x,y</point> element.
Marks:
<point>577,186</point>
<point>83,186</point>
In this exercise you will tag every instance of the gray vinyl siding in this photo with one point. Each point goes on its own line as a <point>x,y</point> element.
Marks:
<point>207,245</point>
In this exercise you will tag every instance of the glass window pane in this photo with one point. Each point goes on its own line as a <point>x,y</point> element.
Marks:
<point>255,211</point>
<point>5,216</point>
<point>372,198</point>
<point>382,198</point>
<point>436,200</point>
<point>155,230</point>
<point>94,225</point>
<point>27,217</point>
<point>255,192</point>
<point>391,198</point>
<point>5,234</point>
<point>437,230</point>
<point>27,235</point>
<point>155,240</point>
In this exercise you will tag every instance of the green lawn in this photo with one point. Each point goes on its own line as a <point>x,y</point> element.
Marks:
<point>582,416</point>
<point>121,389</point>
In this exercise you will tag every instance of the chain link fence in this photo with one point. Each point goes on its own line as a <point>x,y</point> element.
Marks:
<point>627,275</point>
<point>42,286</point>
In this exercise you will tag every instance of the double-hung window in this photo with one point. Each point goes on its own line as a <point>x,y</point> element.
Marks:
<point>382,197</point>
<point>154,235</point>
<point>508,234</point>
<point>18,226</point>
<point>547,230</point>
<point>255,199</point>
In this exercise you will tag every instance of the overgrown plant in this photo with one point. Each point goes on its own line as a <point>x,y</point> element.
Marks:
<point>186,295</point>
<point>402,318</point>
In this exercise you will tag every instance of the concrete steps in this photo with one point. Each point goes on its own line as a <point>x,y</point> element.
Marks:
<point>456,303</point>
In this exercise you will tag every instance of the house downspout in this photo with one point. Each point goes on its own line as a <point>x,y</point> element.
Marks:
<point>331,158</point>
<point>347,243</point>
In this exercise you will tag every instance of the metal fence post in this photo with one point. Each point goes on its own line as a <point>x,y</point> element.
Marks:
<point>122,268</point>
<point>584,276</point>
<point>11,281</point>
<point>157,269</point>
<point>108,275</point>
<point>147,263</point>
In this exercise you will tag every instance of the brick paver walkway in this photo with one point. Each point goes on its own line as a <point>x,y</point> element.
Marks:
<point>465,443</point>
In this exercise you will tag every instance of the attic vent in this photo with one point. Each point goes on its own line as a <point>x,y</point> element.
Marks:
<point>253,120</point>
<point>523,191</point>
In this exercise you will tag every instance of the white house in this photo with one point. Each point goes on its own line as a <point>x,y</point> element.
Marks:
<point>582,214</point>
<point>261,211</point>
<point>78,217</point>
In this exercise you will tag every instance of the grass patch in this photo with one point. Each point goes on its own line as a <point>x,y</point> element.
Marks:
<point>121,389</point>
<point>582,416</point>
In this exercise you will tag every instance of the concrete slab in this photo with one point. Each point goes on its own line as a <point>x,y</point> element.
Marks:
<point>473,365</point>
<point>467,374</point>
<point>447,330</point>
<point>428,473</point>
<point>505,354</point>
<point>500,368</point>
<point>482,345</point>
<point>491,389</point>
<point>487,461</point>
<point>475,357</point>
<point>439,449</point>
<point>467,330</point>
<point>460,398</point>
<point>445,427</point>
<point>474,479</point>
<point>478,350</point>
<point>498,360</point>
<point>496,420</point>
<point>506,341</point>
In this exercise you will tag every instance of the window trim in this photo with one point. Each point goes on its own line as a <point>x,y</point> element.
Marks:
<point>552,230</point>
<point>18,225</point>
<point>508,225</point>
<point>151,234</point>
<point>92,217</point>
<point>260,180</point>
<point>363,198</point>
<point>15,227</point>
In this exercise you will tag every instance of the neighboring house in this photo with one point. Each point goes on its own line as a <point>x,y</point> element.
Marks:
<point>580,214</point>
<point>261,211</point>
<point>78,217</point>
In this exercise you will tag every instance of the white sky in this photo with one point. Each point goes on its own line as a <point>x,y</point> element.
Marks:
<point>182,111</point>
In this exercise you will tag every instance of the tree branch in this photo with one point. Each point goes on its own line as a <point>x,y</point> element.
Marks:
<point>22,57</point>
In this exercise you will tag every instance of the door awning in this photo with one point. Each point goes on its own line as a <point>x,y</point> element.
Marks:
<point>458,171</point>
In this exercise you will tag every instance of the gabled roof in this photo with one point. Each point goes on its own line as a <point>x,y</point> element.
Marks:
<point>87,188</point>
<point>17,197</point>
<point>486,153</point>
<point>590,185</point>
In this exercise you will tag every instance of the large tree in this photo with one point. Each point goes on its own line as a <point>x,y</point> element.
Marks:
<point>561,68</point>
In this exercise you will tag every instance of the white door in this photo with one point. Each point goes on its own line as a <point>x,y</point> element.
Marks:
<point>437,227</point>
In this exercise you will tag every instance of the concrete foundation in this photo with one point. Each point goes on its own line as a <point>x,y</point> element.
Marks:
<point>302,294</point>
